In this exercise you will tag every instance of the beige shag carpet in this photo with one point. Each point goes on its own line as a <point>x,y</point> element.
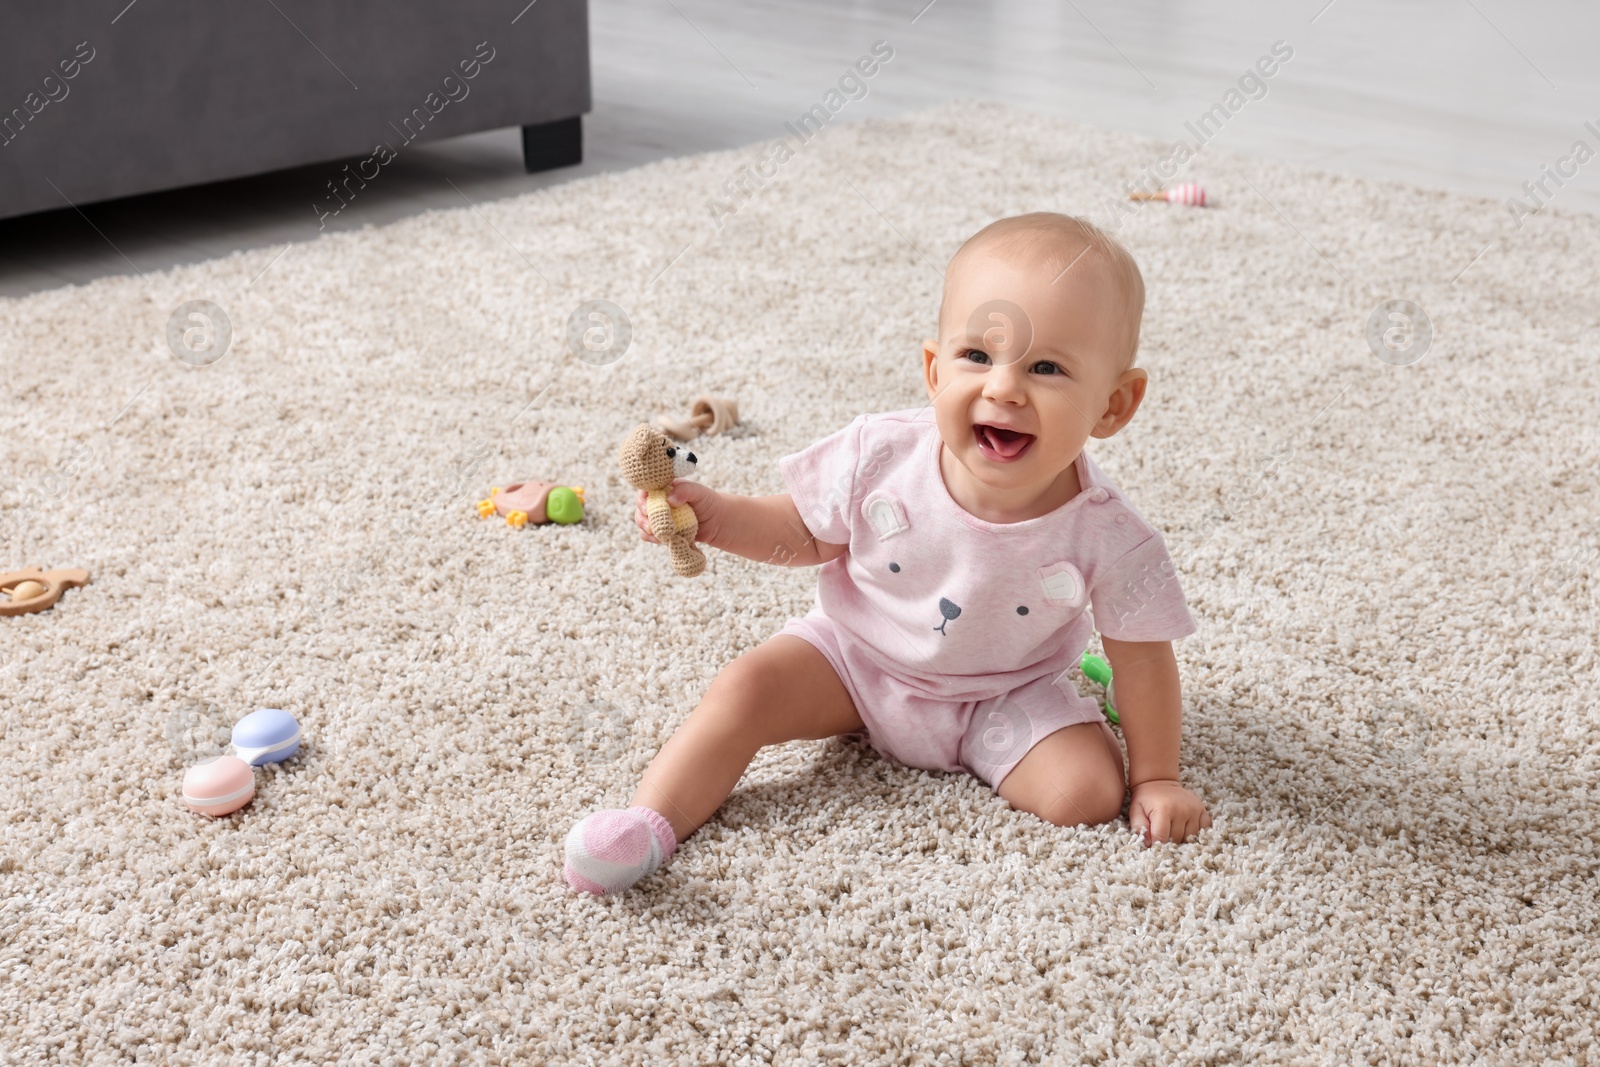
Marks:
<point>1390,707</point>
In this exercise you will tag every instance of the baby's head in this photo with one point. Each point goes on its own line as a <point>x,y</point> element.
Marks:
<point>1038,330</point>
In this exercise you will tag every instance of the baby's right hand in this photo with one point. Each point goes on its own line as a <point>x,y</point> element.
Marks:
<point>699,497</point>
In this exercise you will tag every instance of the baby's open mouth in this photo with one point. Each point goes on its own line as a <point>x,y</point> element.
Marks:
<point>1001,443</point>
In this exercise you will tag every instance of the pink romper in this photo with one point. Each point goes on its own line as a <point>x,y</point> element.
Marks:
<point>956,637</point>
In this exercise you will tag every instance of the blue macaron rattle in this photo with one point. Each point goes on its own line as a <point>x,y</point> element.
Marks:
<point>270,735</point>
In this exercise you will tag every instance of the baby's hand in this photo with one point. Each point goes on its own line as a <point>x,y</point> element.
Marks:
<point>699,497</point>
<point>1163,810</point>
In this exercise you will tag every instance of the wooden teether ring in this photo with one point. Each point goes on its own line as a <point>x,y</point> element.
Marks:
<point>31,589</point>
<point>708,415</point>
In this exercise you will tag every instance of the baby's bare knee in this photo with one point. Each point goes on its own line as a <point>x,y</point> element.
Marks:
<point>741,682</point>
<point>783,690</point>
<point>737,696</point>
<point>1090,803</point>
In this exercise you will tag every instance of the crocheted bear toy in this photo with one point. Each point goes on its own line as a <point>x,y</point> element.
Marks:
<point>650,462</point>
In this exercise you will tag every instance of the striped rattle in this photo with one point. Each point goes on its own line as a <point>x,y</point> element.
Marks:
<point>1187,193</point>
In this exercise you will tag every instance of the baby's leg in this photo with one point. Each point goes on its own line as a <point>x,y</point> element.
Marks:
<point>1073,776</point>
<point>782,690</point>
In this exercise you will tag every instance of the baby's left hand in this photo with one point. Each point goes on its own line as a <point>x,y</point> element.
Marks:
<point>1163,810</point>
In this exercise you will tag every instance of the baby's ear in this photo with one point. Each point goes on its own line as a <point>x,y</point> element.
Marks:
<point>1123,402</point>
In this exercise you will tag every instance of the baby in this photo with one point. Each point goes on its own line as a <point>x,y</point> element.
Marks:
<point>960,544</point>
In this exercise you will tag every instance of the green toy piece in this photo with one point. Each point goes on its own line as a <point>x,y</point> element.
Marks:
<point>563,505</point>
<point>1098,671</point>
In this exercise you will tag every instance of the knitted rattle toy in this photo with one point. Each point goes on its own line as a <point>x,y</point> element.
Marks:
<point>650,462</point>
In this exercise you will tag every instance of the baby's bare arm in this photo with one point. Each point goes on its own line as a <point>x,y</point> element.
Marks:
<point>768,529</point>
<point>1150,705</point>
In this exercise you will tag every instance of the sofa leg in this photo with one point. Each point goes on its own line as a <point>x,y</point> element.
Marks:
<point>548,145</point>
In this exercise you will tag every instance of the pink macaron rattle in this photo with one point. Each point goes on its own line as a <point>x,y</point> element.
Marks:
<point>270,735</point>
<point>1188,193</point>
<point>218,786</point>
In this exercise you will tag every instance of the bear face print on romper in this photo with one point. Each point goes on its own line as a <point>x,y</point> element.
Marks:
<point>959,608</point>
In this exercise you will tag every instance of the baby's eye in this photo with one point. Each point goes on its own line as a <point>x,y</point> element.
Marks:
<point>1054,368</point>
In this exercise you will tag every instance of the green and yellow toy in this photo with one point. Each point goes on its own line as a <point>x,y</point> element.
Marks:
<point>535,502</point>
<point>1098,671</point>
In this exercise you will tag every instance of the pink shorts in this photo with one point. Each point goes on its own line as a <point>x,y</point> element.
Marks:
<point>986,738</point>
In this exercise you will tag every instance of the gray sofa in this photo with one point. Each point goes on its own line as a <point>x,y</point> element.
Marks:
<point>101,100</point>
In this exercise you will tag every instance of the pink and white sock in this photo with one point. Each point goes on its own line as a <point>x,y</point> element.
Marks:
<point>607,851</point>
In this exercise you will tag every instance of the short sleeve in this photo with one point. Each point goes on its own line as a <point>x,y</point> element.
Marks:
<point>821,480</point>
<point>1138,597</point>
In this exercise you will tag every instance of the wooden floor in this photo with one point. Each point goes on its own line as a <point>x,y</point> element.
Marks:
<point>1472,95</point>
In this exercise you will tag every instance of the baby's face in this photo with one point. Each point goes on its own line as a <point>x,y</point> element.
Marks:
<point>1021,349</point>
